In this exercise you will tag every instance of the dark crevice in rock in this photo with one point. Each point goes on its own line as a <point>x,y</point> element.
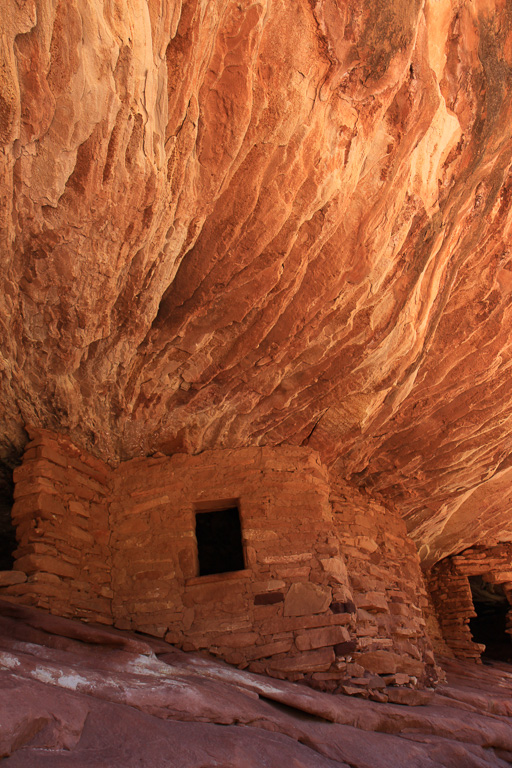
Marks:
<point>302,714</point>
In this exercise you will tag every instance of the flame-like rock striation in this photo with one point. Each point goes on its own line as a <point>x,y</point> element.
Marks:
<point>262,222</point>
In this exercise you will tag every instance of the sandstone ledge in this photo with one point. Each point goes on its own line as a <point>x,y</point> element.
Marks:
<point>76,696</point>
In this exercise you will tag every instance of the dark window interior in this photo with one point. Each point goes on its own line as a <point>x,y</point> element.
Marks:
<point>489,624</point>
<point>219,541</point>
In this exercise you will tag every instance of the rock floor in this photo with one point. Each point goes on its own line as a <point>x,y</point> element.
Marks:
<point>75,695</point>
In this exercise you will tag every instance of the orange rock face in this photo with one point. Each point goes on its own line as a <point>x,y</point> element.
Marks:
<point>253,223</point>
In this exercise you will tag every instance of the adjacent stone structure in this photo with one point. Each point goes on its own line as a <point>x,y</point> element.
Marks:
<point>452,597</point>
<point>61,514</point>
<point>331,591</point>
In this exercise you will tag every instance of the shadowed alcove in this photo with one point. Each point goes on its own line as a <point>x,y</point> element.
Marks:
<point>489,625</point>
<point>7,531</point>
<point>219,541</point>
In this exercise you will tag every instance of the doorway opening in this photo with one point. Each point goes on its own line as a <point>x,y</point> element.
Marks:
<point>488,626</point>
<point>7,531</point>
<point>219,541</point>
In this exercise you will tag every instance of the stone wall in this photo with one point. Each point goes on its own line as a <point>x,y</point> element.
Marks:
<point>61,517</point>
<point>331,592</point>
<point>276,615</point>
<point>388,588</point>
<point>452,598</point>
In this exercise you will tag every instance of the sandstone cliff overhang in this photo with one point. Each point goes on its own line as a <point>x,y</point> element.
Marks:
<point>257,223</point>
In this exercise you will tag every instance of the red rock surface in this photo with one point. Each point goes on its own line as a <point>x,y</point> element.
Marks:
<point>76,696</point>
<point>243,223</point>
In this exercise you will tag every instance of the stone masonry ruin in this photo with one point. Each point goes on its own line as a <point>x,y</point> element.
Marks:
<point>455,583</point>
<point>259,556</point>
<point>329,590</point>
<point>256,346</point>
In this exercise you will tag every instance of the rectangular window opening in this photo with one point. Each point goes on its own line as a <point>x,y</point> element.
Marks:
<point>219,541</point>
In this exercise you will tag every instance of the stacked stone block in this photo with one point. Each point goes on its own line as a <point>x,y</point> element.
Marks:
<point>62,527</point>
<point>282,614</point>
<point>388,591</point>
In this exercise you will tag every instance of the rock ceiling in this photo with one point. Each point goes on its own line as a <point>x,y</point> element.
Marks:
<point>262,222</point>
